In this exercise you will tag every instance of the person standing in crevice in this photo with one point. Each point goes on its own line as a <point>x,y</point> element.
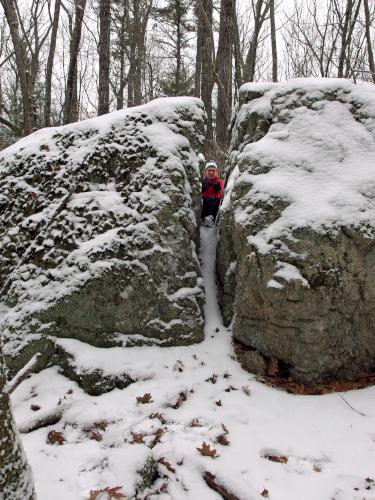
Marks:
<point>212,192</point>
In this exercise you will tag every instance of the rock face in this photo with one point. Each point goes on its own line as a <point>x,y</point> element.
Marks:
<point>99,233</point>
<point>296,255</point>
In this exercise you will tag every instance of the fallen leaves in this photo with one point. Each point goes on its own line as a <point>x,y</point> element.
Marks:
<point>276,458</point>
<point>206,451</point>
<point>273,367</point>
<point>222,439</point>
<point>35,407</point>
<point>113,492</point>
<point>178,366</point>
<point>218,403</point>
<point>96,436</point>
<point>137,438</point>
<point>146,398</point>
<point>166,464</point>
<point>265,493</point>
<point>157,437</point>
<point>195,423</point>
<point>55,437</point>
<point>159,416</point>
<point>246,390</point>
<point>181,399</point>
<point>212,379</point>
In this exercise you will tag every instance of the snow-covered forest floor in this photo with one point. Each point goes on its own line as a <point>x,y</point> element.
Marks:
<point>269,444</point>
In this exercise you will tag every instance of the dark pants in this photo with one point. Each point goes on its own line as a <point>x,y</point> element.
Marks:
<point>210,207</point>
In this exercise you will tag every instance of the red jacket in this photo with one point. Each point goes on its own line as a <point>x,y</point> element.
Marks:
<point>212,188</point>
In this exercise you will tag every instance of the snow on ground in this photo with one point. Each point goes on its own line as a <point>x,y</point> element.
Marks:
<point>201,393</point>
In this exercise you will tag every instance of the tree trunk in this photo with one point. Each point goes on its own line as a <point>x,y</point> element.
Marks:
<point>224,71</point>
<point>251,59</point>
<point>104,56</point>
<point>344,36</point>
<point>207,82</point>
<point>273,41</point>
<point>238,63</point>
<point>16,482</point>
<point>370,52</point>
<point>178,48</point>
<point>138,43</point>
<point>51,55</point>
<point>71,105</point>
<point>198,54</point>
<point>22,65</point>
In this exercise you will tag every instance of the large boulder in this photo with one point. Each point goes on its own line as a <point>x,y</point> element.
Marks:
<point>99,232</point>
<point>296,254</point>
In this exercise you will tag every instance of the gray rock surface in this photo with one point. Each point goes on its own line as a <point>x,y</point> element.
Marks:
<point>296,254</point>
<point>106,213</point>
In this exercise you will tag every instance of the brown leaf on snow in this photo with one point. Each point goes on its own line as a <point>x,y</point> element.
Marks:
<point>137,438</point>
<point>181,399</point>
<point>55,437</point>
<point>146,398</point>
<point>222,439</point>
<point>35,407</point>
<point>195,423</point>
<point>277,458</point>
<point>246,390</point>
<point>157,436</point>
<point>159,416</point>
<point>99,424</point>
<point>206,451</point>
<point>317,468</point>
<point>219,403</point>
<point>166,464</point>
<point>225,428</point>
<point>178,366</point>
<point>111,493</point>
<point>212,379</point>
<point>96,436</point>
<point>265,493</point>
<point>230,388</point>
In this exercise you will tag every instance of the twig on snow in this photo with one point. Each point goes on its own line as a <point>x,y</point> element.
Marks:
<point>214,484</point>
<point>350,406</point>
<point>31,366</point>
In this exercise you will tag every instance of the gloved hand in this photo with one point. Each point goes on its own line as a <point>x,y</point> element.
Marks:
<point>216,186</point>
<point>205,184</point>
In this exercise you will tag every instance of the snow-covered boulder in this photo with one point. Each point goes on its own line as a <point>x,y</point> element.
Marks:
<point>99,233</point>
<point>296,256</point>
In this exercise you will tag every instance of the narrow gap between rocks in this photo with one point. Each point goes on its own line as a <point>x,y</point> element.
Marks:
<point>212,313</point>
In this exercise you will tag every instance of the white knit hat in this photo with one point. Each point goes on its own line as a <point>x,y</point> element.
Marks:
<point>210,164</point>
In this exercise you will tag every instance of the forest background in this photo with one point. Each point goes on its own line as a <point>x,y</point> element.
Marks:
<point>67,60</point>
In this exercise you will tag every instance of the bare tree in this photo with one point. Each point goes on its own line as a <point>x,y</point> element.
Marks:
<point>22,62</point>
<point>16,481</point>
<point>70,105</point>
<point>261,10</point>
<point>370,51</point>
<point>224,71</point>
<point>51,56</point>
<point>273,40</point>
<point>104,55</point>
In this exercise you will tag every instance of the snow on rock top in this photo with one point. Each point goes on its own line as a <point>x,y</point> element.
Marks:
<point>98,230</point>
<point>318,156</point>
<point>299,218</point>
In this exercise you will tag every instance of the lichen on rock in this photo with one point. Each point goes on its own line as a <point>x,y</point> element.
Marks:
<point>106,211</point>
<point>296,255</point>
